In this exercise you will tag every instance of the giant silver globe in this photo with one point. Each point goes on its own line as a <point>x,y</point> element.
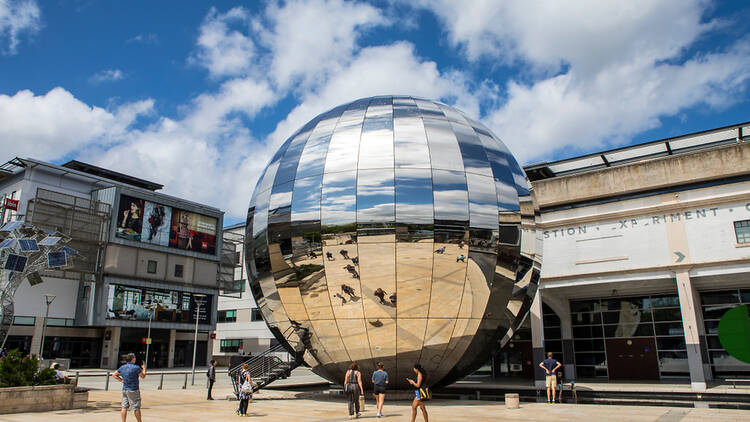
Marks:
<point>393,229</point>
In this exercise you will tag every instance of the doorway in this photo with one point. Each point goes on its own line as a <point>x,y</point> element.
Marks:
<point>631,359</point>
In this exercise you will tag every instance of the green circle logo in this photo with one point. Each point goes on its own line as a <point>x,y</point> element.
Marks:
<point>734,332</point>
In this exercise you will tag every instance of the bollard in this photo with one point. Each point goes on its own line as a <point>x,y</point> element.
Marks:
<point>479,395</point>
<point>161,381</point>
<point>361,403</point>
<point>511,401</point>
<point>106,382</point>
<point>184,385</point>
<point>76,382</point>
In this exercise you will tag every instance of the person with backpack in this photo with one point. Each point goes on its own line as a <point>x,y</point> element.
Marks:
<point>421,392</point>
<point>352,388</point>
<point>211,375</point>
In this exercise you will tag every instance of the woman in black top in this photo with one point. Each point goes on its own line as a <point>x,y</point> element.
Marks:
<point>419,371</point>
<point>352,388</point>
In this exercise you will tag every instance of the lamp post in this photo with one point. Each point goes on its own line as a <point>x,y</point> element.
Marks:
<point>199,299</point>
<point>151,309</point>
<point>48,298</point>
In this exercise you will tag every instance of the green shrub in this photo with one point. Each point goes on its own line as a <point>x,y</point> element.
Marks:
<point>18,371</point>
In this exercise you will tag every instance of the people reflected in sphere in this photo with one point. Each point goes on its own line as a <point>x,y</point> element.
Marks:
<point>440,250</point>
<point>343,300</point>
<point>461,258</point>
<point>348,290</point>
<point>392,298</point>
<point>380,294</point>
<point>329,256</point>
<point>355,260</point>
<point>344,253</point>
<point>352,270</point>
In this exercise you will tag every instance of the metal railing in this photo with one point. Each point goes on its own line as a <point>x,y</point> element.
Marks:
<point>108,377</point>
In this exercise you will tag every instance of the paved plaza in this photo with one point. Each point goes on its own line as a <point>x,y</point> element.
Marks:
<point>190,405</point>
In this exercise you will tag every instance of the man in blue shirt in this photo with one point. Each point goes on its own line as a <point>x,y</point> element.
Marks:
<point>550,366</point>
<point>128,375</point>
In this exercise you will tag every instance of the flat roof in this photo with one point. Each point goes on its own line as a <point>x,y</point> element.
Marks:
<point>112,175</point>
<point>619,156</point>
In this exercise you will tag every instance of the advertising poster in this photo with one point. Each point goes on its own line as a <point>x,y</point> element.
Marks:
<point>193,232</point>
<point>130,218</point>
<point>156,224</point>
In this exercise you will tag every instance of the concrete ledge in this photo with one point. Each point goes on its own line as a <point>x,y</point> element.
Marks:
<point>42,398</point>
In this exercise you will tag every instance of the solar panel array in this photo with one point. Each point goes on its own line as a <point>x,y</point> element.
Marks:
<point>57,259</point>
<point>15,262</point>
<point>28,245</point>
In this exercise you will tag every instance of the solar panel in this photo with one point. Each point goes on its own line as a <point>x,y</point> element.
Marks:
<point>15,262</point>
<point>49,241</point>
<point>28,245</point>
<point>34,278</point>
<point>7,243</point>
<point>57,259</point>
<point>11,225</point>
<point>70,251</point>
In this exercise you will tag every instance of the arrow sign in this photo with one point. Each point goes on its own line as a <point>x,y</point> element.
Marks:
<point>680,256</point>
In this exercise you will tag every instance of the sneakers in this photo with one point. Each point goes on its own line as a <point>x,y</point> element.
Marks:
<point>380,415</point>
<point>549,402</point>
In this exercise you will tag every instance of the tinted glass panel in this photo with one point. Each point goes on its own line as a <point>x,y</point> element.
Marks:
<point>313,156</point>
<point>410,140</point>
<point>451,195</point>
<point>376,145</point>
<point>444,151</point>
<point>339,202</point>
<point>414,196</point>
<point>306,199</point>
<point>482,202</point>
<point>472,151</point>
<point>343,149</point>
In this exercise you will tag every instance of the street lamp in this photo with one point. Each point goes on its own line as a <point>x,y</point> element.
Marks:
<point>199,299</point>
<point>152,308</point>
<point>48,298</point>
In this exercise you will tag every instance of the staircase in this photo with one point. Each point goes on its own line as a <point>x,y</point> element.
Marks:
<point>265,368</point>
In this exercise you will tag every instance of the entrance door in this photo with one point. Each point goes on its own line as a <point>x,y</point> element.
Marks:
<point>632,359</point>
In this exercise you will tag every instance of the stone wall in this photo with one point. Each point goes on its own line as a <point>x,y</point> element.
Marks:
<point>42,398</point>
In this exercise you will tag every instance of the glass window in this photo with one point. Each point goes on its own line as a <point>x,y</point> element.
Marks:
<point>24,320</point>
<point>313,156</point>
<point>716,311</point>
<point>290,160</point>
<point>666,301</point>
<point>590,359</point>
<point>227,316</point>
<point>673,362</point>
<point>178,270</point>
<point>587,331</point>
<point>151,267</point>
<point>230,346</point>
<point>745,295</point>
<point>375,197</point>
<point>338,203</point>
<point>742,231</point>
<point>414,196</point>
<point>255,315</point>
<point>586,318</point>
<point>584,305</point>
<point>667,314</point>
<point>474,157</point>
<point>306,199</point>
<point>670,343</point>
<point>552,333</point>
<point>595,345</point>
<point>59,322</point>
<point>720,298</point>
<point>669,329</point>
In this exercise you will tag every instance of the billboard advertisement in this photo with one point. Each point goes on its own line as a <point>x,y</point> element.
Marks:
<point>149,222</point>
<point>193,232</point>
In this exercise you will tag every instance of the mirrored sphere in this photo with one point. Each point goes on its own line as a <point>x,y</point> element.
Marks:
<point>393,229</point>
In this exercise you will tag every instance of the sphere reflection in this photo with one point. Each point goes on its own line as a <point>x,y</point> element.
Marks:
<point>393,229</point>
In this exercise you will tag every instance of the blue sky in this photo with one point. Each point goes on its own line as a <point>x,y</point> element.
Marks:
<point>198,95</point>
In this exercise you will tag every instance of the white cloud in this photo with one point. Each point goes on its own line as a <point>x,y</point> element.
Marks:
<point>599,72</point>
<point>310,39</point>
<point>222,50</point>
<point>51,125</point>
<point>148,38</point>
<point>107,75</point>
<point>17,18</point>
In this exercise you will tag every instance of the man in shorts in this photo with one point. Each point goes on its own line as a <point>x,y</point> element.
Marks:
<point>128,375</point>
<point>550,366</point>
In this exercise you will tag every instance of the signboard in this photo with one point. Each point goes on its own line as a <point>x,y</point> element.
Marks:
<point>146,340</point>
<point>149,222</point>
<point>11,204</point>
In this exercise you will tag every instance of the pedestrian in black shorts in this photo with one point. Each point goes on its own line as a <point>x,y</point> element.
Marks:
<point>379,382</point>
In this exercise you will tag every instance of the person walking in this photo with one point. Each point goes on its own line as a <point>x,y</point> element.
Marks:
<point>242,378</point>
<point>128,375</point>
<point>352,388</point>
<point>418,402</point>
<point>550,366</point>
<point>379,381</point>
<point>211,375</point>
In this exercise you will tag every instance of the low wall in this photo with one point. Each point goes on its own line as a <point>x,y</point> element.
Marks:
<point>42,398</point>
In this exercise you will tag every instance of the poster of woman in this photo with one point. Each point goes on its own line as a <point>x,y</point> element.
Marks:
<point>156,227</point>
<point>130,218</point>
<point>193,232</point>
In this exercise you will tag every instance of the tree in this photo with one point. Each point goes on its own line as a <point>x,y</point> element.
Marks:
<point>17,371</point>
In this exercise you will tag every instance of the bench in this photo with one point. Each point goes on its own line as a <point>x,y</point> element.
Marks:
<point>734,381</point>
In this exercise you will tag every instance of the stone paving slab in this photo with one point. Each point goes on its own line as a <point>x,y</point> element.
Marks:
<point>190,405</point>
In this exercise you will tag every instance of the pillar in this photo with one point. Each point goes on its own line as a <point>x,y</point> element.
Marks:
<point>36,339</point>
<point>111,347</point>
<point>692,322</point>
<point>209,347</point>
<point>172,338</point>
<point>562,309</point>
<point>537,339</point>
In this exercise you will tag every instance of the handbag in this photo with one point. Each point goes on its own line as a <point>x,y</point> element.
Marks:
<point>246,387</point>
<point>424,393</point>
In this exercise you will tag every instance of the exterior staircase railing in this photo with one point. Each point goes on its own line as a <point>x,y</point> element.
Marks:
<point>264,368</point>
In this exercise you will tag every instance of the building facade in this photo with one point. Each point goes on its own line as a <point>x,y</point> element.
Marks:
<point>148,260</point>
<point>645,248</point>
<point>240,329</point>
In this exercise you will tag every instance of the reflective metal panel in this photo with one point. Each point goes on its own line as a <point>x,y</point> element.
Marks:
<point>393,229</point>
